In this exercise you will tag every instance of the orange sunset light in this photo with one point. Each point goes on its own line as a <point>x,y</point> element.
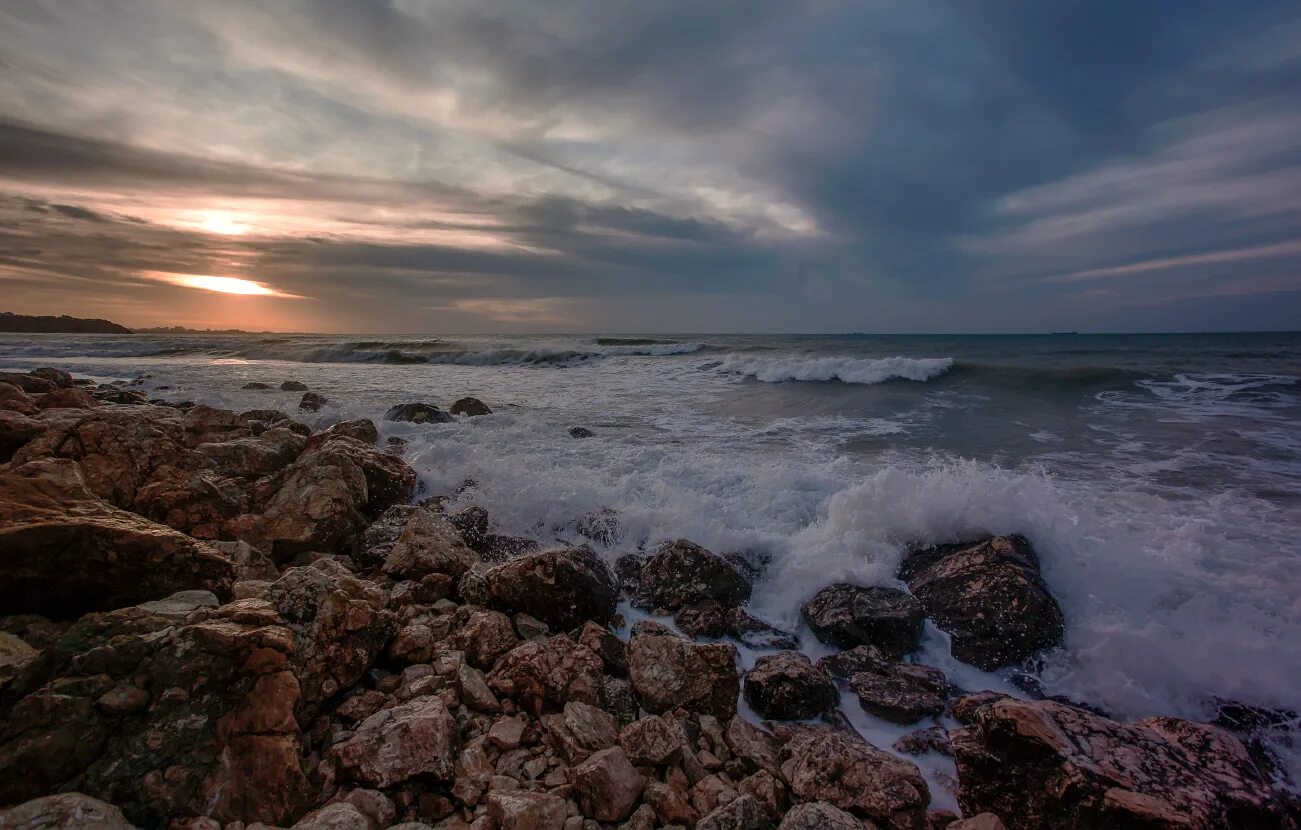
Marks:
<point>221,285</point>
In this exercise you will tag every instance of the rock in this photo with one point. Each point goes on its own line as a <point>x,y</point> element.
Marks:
<point>32,384</point>
<point>414,738</point>
<point>819,815</point>
<point>681,573</point>
<point>667,671</point>
<point>787,686</point>
<point>742,813</point>
<point>66,811</point>
<point>601,526</point>
<point>472,524</point>
<point>254,456</point>
<point>428,544</point>
<point>58,377</point>
<point>217,735</point>
<point>984,821</point>
<point>293,386</point>
<point>475,692</point>
<point>580,432</point>
<point>501,548</point>
<point>607,785</point>
<point>1044,764</point>
<point>361,429</point>
<point>16,400</point>
<point>527,811</point>
<point>470,407</point>
<point>563,587</point>
<point>581,730</point>
<point>312,401</point>
<point>851,774</point>
<point>755,747</point>
<point>340,627</point>
<point>321,501</point>
<point>418,413</point>
<point>64,552</point>
<point>552,672</point>
<point>846,664</point>
<point>16,429</point>
<point>652,741</point>
<point>484,637</point>
<point>603,641</point>
<point>989,597</point>
<point>930,739</point>
<point>846,616</point>
<point>338,816</point>
<point>902,693</point>
<point>256,384</point>
<point>67,399</point>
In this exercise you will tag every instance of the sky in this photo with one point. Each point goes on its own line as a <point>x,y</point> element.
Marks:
<point>426,166</point>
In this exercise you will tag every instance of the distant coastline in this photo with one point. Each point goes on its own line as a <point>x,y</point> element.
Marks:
<point>63,324</point>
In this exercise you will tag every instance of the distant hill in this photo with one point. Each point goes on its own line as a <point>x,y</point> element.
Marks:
<point>184,330</point>
<point>63,324</point>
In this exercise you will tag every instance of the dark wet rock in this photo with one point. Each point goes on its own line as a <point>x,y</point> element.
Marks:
<point>71,398</point>
<point>501,548</point>
<point>819,815</point>
<point>256,384</point>
<point>853,775</point>
<point>66,811</point>
<point>428,544</point>
<point>254,456</point>
<point>127,397</point>
<point>742,813</point>
<point>1042,764</point>
<point>293,386</point>
<point>418,413</point>
<point>563,587</point>
<point>64,552</point>
<point>681,573</point>
<point>627,570</point>
<point>847,615</point>
<point>376,542</point>
<point>164,718</point>
<point>360,429</point>
<point>612,651</point>
<point>16,430</point>
<point>667,671</point>
<point>550,673</point>
<point>58,377</point>
<point>601,526</point>
<point>846,664</point>
<point>711,619</point>
<point>470,407</point>
<point>930,739</point>
<point>312,401</point>
<point>787,686</point>
<point>652,741</point>
<point>472,522</point>
<point>580,432</point>
<point>989,597</point>
<point>902,692</point>
<point>414,738</point>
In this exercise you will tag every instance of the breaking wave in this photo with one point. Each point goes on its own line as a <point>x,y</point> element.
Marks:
<point>866,371</point>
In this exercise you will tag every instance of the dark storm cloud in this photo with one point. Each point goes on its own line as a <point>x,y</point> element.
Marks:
<point>843,165</point>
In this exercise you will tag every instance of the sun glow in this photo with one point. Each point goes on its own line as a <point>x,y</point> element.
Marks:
<point>219,221</point>
<point>221,285</point>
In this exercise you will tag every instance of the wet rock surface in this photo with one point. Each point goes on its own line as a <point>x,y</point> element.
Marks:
<point>989,597</point>
<point>846,616</point>
<point>787,686</point>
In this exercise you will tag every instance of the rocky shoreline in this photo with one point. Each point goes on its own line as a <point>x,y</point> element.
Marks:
<point>219,620</point>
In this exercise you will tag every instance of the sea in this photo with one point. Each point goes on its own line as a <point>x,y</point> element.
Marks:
<point>1158,476</point>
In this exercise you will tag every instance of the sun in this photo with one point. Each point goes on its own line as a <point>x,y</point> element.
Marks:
<point>219,221</point>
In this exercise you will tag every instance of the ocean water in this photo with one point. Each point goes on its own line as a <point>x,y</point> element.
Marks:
<point>1158,476</point>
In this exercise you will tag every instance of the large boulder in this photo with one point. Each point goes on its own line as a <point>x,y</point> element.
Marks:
<point>818,815</point>
<point>470,407</point>
<point>682,572</point>
<point>901,692</point>
<point>427,544</point>
<point>853,775</point>
<point>72,398</point>
<point>66,811</point>
<point>64,552</point>
<point>254,456</point>
<point>847,615</point>
<point>563,588</point>
<point>418,413</point>
<point>787,686</point>
<point>340,628</point>
<point>550,673</point>
<point>322,501</point>
<point>667,671</point>
<point>989,597</point>
<point>14,399</point>
<point>414,738</point>
<point>1043,764</point>
<point>164,716</point>
<point>16,430</point>
<point>608,786</point>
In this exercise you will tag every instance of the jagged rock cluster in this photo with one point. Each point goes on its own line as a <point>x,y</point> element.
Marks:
<point>219,621</point>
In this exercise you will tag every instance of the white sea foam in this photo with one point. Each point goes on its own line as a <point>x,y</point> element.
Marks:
<point>866,371</point>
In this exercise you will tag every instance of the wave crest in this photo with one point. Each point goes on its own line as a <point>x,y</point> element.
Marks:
<point>866,371</point>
